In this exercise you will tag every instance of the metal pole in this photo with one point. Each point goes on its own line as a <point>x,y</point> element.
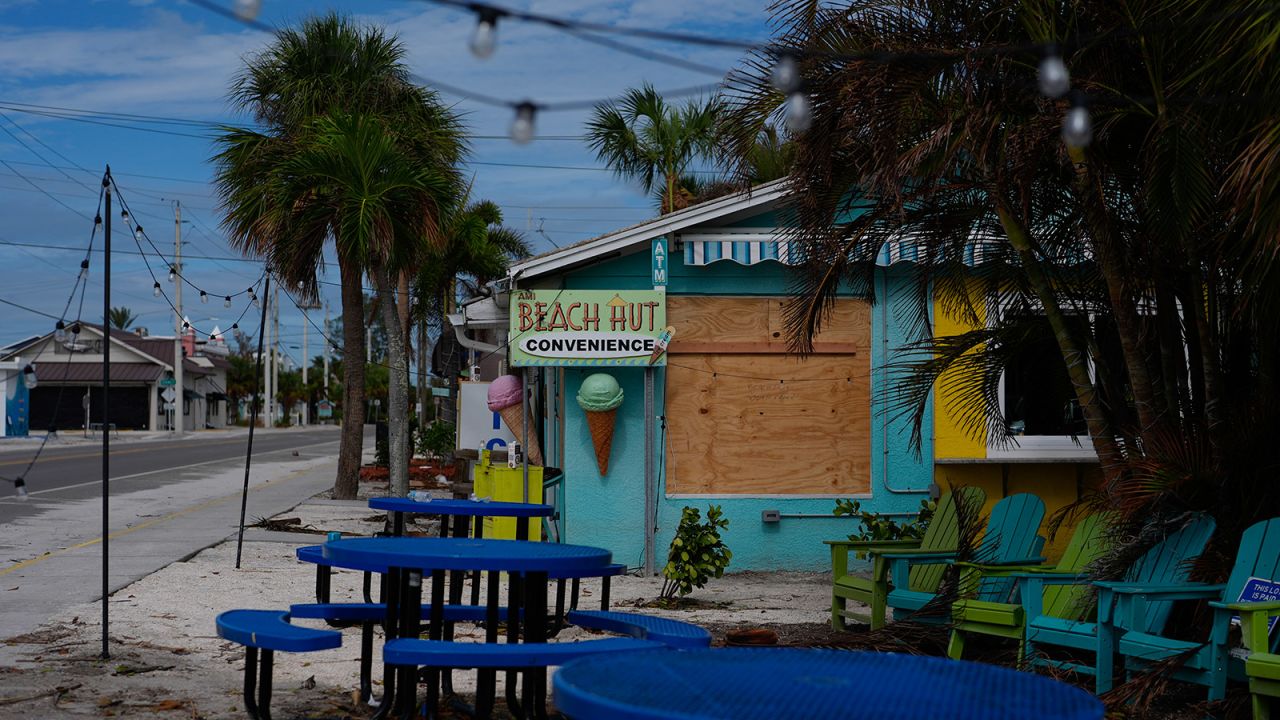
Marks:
<point>275,355</point>
<point>106,406</point>
<point>650,482</point>
<point>527,405</point>
<point>253,420</point>
<point>178,351</point>
<point>325,337</point>
<point>306,405</point>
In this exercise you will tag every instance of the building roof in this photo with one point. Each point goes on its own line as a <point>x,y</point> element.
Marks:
<point>92,372</point>
<point>636,237</point>
<point>162,349</point>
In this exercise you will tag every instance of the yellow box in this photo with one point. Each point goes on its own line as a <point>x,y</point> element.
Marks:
<point>502,484</point>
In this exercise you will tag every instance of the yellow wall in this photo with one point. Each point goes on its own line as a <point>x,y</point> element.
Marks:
<point>950,440</point>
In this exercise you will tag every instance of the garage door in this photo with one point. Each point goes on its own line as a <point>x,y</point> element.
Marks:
<point>49,407</point>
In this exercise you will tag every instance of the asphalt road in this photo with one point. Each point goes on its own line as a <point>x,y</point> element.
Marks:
<point>75,472</point>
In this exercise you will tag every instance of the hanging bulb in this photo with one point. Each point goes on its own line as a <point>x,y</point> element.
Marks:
<point>173,273</point>
<point>1077,127</point>
<point>256,302</point>
<point>124,216</point>
<point>485,39</point>
<point>20,489</point>
<point>226,302</point>
<point>248,9</point>
<point>1053,78</point>
<point>799,116</point>
<point>300,284</point>
<point>97,220</point>
<point>235,326</point>
<point>155,289</point>
<point>786,74</point>
<point>186,325</point>
<point>204,297</point>
<point>60,332</point>
<point>522,126</point>
<point>75,331</point>
<point>29,377</point>
<point>137,232</point>
<point>84,269</point>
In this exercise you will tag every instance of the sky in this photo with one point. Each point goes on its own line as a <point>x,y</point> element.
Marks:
<point>175,60</point>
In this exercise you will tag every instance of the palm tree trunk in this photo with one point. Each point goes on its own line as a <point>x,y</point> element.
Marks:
<point>351,442</point>
<point>397,387</point>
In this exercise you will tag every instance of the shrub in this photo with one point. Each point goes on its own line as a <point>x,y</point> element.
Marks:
<point>876,527</point>
<point>436,439</point>
<point>697,553</point>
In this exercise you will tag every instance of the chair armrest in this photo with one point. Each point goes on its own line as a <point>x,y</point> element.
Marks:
<point>1182,591</point>
<point>868,544</point>
<point>1049,576</point>
<point>920,555</point>
<point>1269,608</point>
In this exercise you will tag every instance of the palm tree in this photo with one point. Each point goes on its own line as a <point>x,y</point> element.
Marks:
<point>329,65</point>
<point>1148,253</point>
<point>383,204</point>
<point>122,318</point>
<point>643,138</point>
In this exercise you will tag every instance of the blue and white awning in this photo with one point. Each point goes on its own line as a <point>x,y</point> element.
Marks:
<point>750,248</point>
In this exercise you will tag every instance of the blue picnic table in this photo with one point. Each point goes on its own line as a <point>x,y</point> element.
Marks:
<point>808,684</point>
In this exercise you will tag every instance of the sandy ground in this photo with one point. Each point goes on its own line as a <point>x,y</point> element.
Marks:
<point>166,660</point>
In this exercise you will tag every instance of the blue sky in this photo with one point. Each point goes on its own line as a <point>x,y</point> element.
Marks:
<point>176,60</point>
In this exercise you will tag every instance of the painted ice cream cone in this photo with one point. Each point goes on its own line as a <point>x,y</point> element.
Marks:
<point>599,397</point>
<point>506,397</point>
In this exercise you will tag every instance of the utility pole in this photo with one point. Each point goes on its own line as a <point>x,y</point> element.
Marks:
<point>177,320</point>
<point>275,352</point>
<point>268,396</point>
<point>326,349</point>
<point>306,404</point>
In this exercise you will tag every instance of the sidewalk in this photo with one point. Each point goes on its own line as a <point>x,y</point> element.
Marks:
<point>76,436</point>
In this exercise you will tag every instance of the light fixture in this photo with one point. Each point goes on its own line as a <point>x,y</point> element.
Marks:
<point>60,331</point>
<point>20,488</point>
<point>522,126</point>
<point>799,116</point>
<point>186,325</point>
<point>155,289</point>
<point>485,38</point>
<point>124,216</point>
<point>137,232</point>
<point>204,297</point>
<point>248,9</point>
<point>1053,78</point>
<point>29,376</point>
<point>235,326</point>
<point>1077,126</point>
<point>84,269</point>
<point>75,331</point>
<point>785,77</point>
<point>173,273</point>
<point>97,220</point>
<point>226,302</point>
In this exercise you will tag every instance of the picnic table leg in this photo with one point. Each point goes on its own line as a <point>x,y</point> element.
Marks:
<point>390,593</point>
<point>478,524</point>
<point>604,592</point>
<point>323,579</point>
<point>456,579</point>
<point>514,604</point>
<point>410,612</point>
<point>559,616</point>
<point>487,680</point>
<point>264,685</point>
<point>522,528</point>
<point>573,594</point>
<point>535,631</point>
<point>366,661</point>
<point>435,632</point>
<point>251,681</point>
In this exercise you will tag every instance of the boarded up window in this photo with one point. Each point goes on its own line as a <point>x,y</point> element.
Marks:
<point>744,418</point>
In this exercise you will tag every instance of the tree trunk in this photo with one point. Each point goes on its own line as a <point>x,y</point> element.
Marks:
<point>351,442</point>
<point>397,387</point>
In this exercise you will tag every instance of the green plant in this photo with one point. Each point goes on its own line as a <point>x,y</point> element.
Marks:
<point>876,527</point>
<point>697,552</point>
<point>436,439</point>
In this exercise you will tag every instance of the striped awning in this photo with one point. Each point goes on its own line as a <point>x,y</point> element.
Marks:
<point>750,248</point>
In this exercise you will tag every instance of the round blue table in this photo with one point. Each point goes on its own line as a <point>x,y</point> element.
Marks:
<point>808,684</point>
<point>404,559</point>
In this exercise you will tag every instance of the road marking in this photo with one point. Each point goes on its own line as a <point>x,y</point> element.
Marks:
<point>147,524</point>
<point>116,453</point>
<point>153,472</point>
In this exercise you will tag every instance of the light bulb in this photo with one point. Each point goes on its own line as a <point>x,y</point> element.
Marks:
<point>485,39</point>
<point>226,302</point>
<point>248,9</point>
<point>204,297</point>
<point>155,289</point>
<point>29,377</point>
<point>186,325</point>
<point>75,331</point>
<point>799,116</point>
<point>20,489</point>
<point>173,273</point>
<point>1077,127</point>
<point>60,332</point>
<point>97,219</point>
<point>124,216</point>
<point>235,326</point>
<point>522,126</point>
<point>786,75</point>
<point>137,232</point>
<point>255,301</point>
<point>1053,78</point>
<point>300,284</point>
<point>84,269</point>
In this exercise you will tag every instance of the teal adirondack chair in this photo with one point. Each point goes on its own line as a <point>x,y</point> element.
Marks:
<point>1168,562</point>
<point>1007,619</point>
<point>1262,667</point>
<point>1011,539</point>
<point>1208,664</point>
<point>941,535</point>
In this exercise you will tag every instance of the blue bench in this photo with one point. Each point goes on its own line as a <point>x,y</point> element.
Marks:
<point>672,633</point>
<point>268,631</point>
<point>502,656</point>
<point>376,612</point>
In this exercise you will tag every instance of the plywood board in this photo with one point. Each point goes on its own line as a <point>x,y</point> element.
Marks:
<point>768,425</point>
<point>737,325</point>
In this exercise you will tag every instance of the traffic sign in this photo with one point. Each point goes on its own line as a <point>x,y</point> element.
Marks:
<point>168,395</point>
<point>325,408</point>
<point>167,382</point>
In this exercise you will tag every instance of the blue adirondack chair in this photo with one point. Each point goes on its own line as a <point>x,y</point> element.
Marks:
<point>1208,664</point>
<point>1011,539</point>
<point>1166,563</point>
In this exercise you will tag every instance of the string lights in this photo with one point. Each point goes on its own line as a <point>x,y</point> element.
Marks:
<point>84,269</point>
<point>485,39</point>
<point>1077,126</point>
<point>523,126</point>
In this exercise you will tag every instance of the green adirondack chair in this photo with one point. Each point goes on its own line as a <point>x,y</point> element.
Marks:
<point>1168,562</point>
<point>1262,667</point>
<point>1007,619</point>
<point>1011,539</point>
<point>941,535</point>
<point>1210,664</point>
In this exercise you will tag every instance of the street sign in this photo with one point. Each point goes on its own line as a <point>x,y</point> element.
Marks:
<point>168,406</point>
<point>167,382</point>
<point>439,392</point>
<point>168,395</point>
<point>324,409</point>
